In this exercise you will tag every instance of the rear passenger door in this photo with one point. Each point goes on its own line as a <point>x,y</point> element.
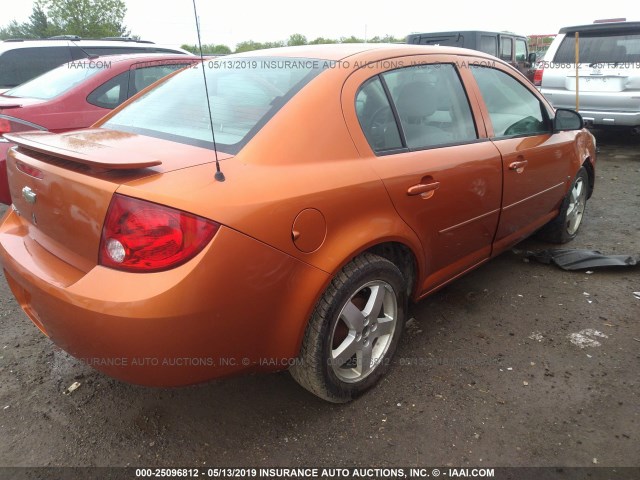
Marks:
<point>417,125</point>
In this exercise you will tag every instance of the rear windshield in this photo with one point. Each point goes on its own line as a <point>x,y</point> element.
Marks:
<point>600,48</point>
<point>243,93</point>
<point>57,81</point>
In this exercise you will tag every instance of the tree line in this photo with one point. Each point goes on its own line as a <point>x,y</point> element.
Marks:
<point>104,18</point>
<point>293,40</point>
<point>85,18</point>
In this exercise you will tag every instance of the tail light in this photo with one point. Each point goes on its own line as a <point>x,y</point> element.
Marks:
<point>141,236</point>
<point>5,126</point>
<point>537,77</point>
<point>29,170</point>
<point>14,125</point>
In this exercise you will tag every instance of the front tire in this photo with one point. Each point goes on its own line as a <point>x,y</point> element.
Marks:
<point>354,330</point>
<point>565,226</point>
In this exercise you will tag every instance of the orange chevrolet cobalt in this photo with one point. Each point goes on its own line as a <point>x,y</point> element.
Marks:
<point>284,213</point>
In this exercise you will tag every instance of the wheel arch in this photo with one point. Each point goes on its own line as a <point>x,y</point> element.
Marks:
<point>396,242</point>
<point>402,257</point>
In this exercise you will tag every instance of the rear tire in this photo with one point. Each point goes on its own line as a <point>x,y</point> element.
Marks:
<point>565,226</point>
<point>354,330</point>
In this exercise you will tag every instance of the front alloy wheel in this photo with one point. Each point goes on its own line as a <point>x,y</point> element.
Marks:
<point>565,226</point>
<point>577,202</point>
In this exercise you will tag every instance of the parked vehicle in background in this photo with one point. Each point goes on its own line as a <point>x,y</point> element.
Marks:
<point>608,90</point>
<point>539,44</point>
<point>22,60</point>
<point>77,94</point>
<point>356,177</point>
<point>509,47</point>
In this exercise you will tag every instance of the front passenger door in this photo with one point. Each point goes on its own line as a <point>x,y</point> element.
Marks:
<point>534,160</point>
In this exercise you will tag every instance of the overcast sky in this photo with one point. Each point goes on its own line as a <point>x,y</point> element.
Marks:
<point>231,22</point>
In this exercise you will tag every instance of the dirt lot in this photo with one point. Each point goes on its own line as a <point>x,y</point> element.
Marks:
<point>486,375</point>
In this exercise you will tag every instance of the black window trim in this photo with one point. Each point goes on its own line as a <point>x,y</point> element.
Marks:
<point>396,118</point>
<point>394,110</point>
<point>384,153</point>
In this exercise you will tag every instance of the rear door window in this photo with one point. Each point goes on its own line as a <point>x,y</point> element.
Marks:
<point>428,102</point>
<point>432,105</point>
<point>506,48</point>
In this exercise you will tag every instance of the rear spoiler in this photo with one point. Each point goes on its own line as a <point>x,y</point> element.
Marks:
<point>74,148</point>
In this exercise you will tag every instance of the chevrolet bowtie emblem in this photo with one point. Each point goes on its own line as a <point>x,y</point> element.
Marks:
<point>29,195</point>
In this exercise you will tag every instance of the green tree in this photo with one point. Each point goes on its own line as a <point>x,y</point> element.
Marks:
<point>39,25</point>
<point>251,45</point>
<point>248,46</point>
<point>88,18</point>
<point>219,49</point>
<point>322,41</point>
<point>277,44</point>
<point>351,39</point>
<point>386,39</point>
<point>85,18</point>
<point>208,49</point>
<point>297,39</point>
<point>12,30</point>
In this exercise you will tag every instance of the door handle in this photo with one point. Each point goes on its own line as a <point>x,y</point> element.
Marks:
<point>518,166</point>
<point>425,190</point>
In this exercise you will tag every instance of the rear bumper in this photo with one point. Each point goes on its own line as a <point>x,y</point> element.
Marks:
<point>238,306</point>
<point>613,119</point>
<point>598,108</point>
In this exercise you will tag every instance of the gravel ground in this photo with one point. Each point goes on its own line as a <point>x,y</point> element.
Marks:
<point>486,375</point>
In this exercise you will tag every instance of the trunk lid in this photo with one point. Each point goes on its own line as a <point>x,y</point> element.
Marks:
<point>62,185</point>
<point>7,103</point>
<point>600,78</point>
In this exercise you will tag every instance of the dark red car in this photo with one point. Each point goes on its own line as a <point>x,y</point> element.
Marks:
<point>76,95</point>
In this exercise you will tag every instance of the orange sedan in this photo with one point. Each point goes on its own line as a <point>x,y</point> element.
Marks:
<point>284,213</point>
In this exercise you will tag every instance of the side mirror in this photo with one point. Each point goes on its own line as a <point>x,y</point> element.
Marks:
<point>532,58</point>
<point>566,120</point>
